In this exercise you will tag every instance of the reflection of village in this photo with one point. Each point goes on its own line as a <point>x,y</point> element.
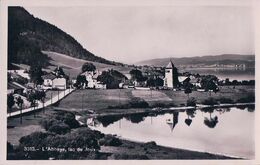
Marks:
<point>211,118</point>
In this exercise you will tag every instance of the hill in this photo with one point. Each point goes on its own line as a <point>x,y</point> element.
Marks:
<point>204,61</point>
<point>28,36</point>
<point>72,66</point>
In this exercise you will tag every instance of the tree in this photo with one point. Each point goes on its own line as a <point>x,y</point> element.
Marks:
<point>32,99</point>
<point>108,79</point>
<point>40,96</point>
<point>191,102</point>
<point>136,75</point>
<point>88,67</point>
<point>209,83</point>
<point>19,102</point>
<point>187,86</point>
<point>36,73</point>
<point>59,72</point>
<point>211,86</point>
<point>176,82</point>
<point>10,102</point>
<point>188,90</point>
<point>81,81</point>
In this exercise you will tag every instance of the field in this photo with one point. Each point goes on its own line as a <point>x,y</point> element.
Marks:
<point>100,100</point>
<point>95,99</point>
<point>72,66</point>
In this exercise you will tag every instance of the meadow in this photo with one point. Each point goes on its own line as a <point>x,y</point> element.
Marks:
<point>100,100</point>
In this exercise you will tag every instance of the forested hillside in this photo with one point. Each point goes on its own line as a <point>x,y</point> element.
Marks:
<point>28,35</point>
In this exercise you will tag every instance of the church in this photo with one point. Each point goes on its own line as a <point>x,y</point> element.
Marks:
<point>171,76</point>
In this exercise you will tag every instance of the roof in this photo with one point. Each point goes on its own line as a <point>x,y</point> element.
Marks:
<point>13,86</point>
<point>19,85</point>
<point>170,65</point>
<point>49,76</point>
<point>194,80</point>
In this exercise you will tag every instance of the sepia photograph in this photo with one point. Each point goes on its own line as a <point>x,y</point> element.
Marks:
<point>130,82</point>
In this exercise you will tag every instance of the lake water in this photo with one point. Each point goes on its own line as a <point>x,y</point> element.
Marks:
<point>228,131</point>
<point>231,73</point>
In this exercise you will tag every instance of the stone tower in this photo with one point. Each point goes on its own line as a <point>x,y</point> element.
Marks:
<point>168,79</point>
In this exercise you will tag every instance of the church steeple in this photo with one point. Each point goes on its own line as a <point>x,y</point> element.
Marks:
<point>170,65</point>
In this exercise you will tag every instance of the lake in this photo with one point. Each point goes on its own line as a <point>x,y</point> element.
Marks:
<point>228,131</point>
<point>223,73</point>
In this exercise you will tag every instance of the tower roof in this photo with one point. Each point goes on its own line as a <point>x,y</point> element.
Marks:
<point>170,65</point>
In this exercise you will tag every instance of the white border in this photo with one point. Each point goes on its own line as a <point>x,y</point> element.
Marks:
<point>3,67</point>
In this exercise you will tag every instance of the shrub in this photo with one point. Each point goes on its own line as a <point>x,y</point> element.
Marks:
<point>150,144</point>
<point>59,128</point>
<point>210,101</point>
<point>138,102</point>
<point>224,100</point>
<point>247,99</point>
<point>110,140</point>
<point>191,102</point>
<point>129,157</point>
<point>10,147</point>
<point>35,139</point>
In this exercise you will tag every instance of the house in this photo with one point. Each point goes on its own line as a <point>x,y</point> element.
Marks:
<point>195,81</point>
<point>91,77</point>
<point>50,80</point>
<point>13,88</point>
<point>23,73</point>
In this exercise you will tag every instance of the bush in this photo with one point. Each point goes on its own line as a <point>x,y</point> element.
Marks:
<point>191,102</point>
<point>137,102</point>
<point>210,101</point>
<point>248,99</point>
<point>68,118</point>
<point>150,144</point>
<point>129,157</point>
<point>59,128</point>
<point>35,139</point>
<point>110,140</point>
<point>224,100</point>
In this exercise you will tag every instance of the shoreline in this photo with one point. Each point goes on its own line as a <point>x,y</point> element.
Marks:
<point>156,110</point>
<point>194,150</point>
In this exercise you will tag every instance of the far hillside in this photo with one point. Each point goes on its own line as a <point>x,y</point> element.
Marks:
<point>204,61</point>
<point>72,66</point>
<point>28,36</point>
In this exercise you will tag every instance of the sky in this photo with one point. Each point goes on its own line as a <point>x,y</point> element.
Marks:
<point>134,33</point>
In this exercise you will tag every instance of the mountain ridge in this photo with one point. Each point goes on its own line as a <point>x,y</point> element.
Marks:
<point>223,59</point>
<point>29,35</point>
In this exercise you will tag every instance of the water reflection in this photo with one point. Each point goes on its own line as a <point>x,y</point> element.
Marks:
<point>172,122</point>
<point>189,129</point>
<point>210,120</point>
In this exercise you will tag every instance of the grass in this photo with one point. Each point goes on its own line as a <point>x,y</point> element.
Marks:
<point>95,99</point>
<point>100,100</point>
<point>179,97</point>
<point>72,66</point>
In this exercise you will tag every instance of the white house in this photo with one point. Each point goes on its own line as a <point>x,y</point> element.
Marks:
<point>52,81</point>
<point>91,77</point>
<point>21,73</point>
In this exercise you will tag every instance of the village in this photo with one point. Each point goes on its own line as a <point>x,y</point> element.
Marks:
<point>30,88</point>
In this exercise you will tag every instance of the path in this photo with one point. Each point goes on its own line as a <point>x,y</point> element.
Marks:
<point>55,99</point>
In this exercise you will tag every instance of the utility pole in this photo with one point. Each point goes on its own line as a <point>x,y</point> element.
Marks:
<point>119,97</point>
<point>51,97</point>
<point>82,102</point>
<point>21,116</point>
